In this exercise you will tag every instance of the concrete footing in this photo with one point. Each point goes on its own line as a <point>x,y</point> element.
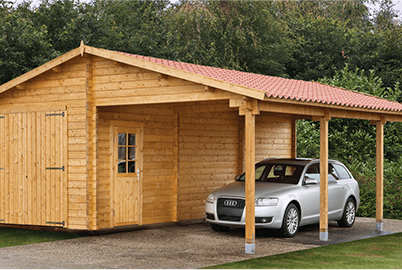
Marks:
<point>250,248</point>
<point>323,236</point>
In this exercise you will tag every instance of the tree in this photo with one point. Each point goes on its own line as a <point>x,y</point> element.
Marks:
<point>353,141</point>
<point>239,35</point>
<point>22,45</point>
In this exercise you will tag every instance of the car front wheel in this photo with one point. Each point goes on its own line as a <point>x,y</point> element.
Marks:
<point>290,224</point>
<point>349,214</point>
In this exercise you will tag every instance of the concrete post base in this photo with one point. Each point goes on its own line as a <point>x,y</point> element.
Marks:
<point>379,226</point>
<point>323,236</point>
<point>250,248</point>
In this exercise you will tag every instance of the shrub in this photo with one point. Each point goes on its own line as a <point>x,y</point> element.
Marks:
<point>365,175</point>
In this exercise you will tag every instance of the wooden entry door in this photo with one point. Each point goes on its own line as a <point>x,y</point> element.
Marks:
<point>127,144</point>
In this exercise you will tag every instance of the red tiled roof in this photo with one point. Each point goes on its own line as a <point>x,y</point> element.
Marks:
<point>277,87</point>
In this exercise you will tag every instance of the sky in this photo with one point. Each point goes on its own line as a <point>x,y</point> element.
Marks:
<point>398,4</point>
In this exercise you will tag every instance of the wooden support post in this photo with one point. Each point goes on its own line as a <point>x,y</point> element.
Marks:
<point>324,178</point>
<point>250,181</point>
<point>379,175</point>
<point>249,110</point>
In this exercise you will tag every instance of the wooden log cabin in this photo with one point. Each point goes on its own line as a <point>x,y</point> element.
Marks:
<point>97,139</point>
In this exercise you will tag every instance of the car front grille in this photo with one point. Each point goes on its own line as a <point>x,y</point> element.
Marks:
<point>230,209</point>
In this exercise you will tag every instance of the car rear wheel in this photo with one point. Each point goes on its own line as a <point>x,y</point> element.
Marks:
<point>349,214</point>
<point>290,224</point>
<point>219,228</point>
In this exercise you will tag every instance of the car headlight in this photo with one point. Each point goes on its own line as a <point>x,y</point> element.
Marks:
<point>211,198</point>
<point>264,201</point>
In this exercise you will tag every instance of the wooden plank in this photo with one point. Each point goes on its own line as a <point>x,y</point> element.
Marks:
<point>3,150</point>
<point>133,100</point>
<point>91,116</point>
<point>324,179</point>
<point>294,138</point>
<point>18,200</point>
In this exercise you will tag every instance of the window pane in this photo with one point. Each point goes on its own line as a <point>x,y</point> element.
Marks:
<point>313,172</point>
<point>122,139</point>
<point>332,174</point>
<point>131,166</point>
<point>121,167</point>
<point>131,153</point>
<point>122,152</point>
<point>258,172</point>
<point>342,172</point>
<point>131,139</point>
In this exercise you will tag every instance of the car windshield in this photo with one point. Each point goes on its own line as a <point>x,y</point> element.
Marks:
<point>277,173</point>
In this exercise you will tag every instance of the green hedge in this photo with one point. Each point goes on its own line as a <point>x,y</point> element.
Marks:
<point>365,175</point>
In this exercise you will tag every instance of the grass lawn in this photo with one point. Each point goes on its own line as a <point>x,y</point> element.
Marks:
<point>378,252</point>
<point>15,237</point>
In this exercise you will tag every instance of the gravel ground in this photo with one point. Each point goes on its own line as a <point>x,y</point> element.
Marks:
<point>174,247</point>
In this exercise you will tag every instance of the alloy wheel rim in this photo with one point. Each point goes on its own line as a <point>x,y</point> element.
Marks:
<point>350,212</point>
<point>292,221</point>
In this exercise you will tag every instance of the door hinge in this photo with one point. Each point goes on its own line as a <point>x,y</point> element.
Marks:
<point>55,223</point>
<point>55,168</point>
<point>55,114</point>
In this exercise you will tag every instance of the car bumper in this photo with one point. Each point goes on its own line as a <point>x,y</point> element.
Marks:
<point>269,217</point>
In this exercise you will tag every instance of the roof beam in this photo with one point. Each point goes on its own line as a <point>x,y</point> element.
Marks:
<point>317,112</point>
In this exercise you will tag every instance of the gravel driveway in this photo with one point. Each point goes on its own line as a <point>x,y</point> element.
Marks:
<point>191,246</point>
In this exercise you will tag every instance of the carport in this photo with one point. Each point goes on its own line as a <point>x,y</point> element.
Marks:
<point>90,107</point>
<point>322,103</point>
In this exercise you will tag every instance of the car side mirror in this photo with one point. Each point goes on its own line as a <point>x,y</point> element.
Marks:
<point>310,181</point>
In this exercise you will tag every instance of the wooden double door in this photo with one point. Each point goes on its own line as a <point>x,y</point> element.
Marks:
<point>127,168</point>
<point>33,168</point>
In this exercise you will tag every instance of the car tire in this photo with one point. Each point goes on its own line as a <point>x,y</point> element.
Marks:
<point>349,214</point>
<point>291,220</point>
<point>219,228</point>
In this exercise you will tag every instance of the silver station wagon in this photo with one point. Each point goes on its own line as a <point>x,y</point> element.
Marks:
<point>287,195</point>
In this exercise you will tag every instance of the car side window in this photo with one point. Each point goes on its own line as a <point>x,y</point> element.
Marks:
<point>313,171</point>
<point>332,174</point>
<point>258,172</point>
<point>343,173</point>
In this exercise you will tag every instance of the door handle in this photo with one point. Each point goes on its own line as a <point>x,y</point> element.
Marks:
<point>138,174</point>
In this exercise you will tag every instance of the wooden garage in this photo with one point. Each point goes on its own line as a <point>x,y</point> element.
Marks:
<point>97,139</point>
